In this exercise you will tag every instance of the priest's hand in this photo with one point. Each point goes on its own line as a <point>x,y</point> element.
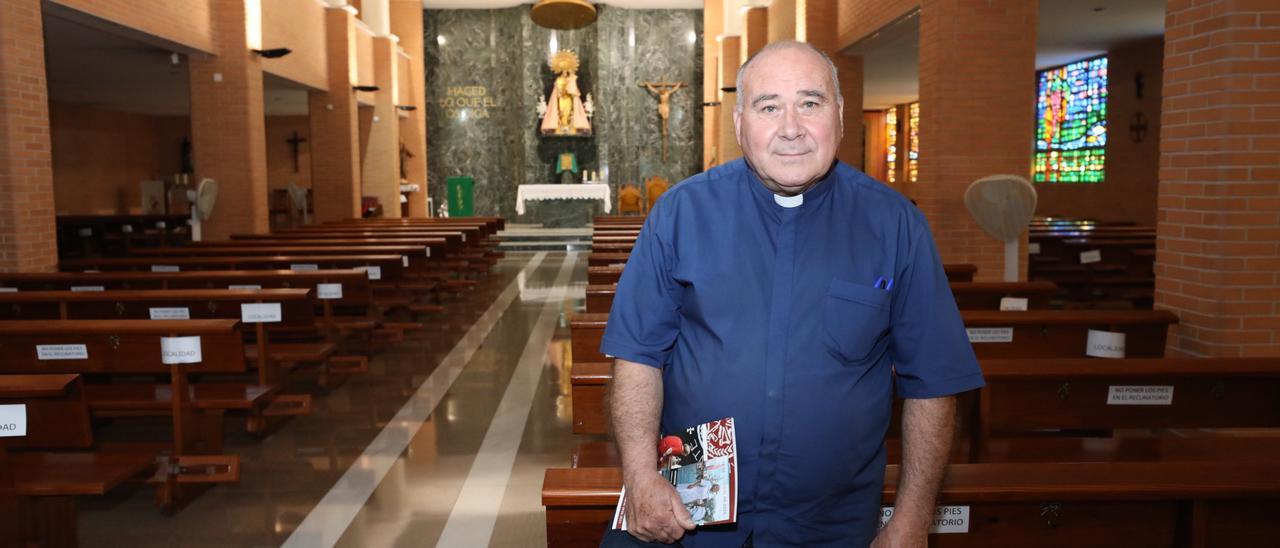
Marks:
<point>654,510</point>
<point>900,534</point>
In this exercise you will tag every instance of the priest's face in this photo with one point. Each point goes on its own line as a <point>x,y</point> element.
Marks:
<point>790,121</point>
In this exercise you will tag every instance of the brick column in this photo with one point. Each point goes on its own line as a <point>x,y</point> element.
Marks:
<point>335,143</point>
<point>782,20</point>
<point>406,22</point>
<point>730,48</point>
<point>381,175</point>
<point>977,115</point>
<point>1218,228</point>
<point>755,32</point>
<point>27,232</point>
<point>228,133</point>
<point>712,27</point>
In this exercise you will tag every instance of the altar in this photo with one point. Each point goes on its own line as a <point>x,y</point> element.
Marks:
<point>583,191</point>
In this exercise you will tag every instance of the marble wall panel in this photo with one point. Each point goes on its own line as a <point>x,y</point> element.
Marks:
<point>506,54</point>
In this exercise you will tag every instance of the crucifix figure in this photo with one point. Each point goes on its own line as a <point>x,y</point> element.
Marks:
<point>663,91</point>
<point>294,142</point>
<point>404,161</point>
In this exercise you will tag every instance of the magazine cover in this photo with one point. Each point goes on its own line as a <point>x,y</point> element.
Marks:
<point>701,463</point>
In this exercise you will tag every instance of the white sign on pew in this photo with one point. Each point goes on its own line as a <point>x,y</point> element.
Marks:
<point>178,350</point>
<point>1139,395</point>
<point>164,268</point>
<point>329,291</point>
<point>170,313</point>
<point>404,261</point>
<point>127,229</point>
<point>85,232</point>
<point>1033,248</point>
<point>8,290</point>
<point>946,519</point>
<point>1091,256</point>
<point>989,334</point>
<point>245,287</point>
<point>161,225</point>
<point>1013,304</point>
<point>261,313</point>
<point>62,352</point>
<point>373,272</point>
<point>303,267</point>
<point>88,288</point>
<point>428,252</point>
<point>1104,344</point>
<point>13,421</point>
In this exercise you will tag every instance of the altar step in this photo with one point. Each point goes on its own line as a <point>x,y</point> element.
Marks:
<point>532,237</point>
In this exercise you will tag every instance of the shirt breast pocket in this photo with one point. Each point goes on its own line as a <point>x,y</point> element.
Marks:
<point>855,317</point>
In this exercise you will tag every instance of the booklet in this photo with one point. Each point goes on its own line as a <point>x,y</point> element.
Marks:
<point>702,464</point>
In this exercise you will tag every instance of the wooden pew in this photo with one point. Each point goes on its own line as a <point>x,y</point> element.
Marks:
<point>56,461</point>
<point>357,313</point>
<point>1098,504</point>
<point>610,274</point>
<point>132,347</point>
<point>968,295</point>
<point>1035,333</point>
<point>297,308</point>
<point>391,266</point>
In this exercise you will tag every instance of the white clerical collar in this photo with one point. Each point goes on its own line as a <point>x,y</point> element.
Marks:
<point>789,201</point>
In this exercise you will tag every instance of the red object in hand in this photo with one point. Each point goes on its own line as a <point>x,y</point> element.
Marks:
<point>671,445</point>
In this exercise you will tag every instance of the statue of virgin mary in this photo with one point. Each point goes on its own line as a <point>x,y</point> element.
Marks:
<point>565,113</point>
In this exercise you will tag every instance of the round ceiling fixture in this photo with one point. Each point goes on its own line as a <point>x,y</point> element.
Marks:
<point>563,14</point>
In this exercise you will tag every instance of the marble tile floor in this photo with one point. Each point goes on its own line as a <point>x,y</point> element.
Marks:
<point>442,443</point>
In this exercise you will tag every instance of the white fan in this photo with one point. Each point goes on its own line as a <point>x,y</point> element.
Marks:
<point>298,196</point>
<point>1003,205</point>
<point>202,200</point>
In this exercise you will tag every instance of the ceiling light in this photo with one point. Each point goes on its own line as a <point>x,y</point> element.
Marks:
<point>366,88</point>
<point>407,108</point>
<point>563,14</point>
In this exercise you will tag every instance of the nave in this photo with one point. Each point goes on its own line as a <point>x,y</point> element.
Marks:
<point>490,391</point>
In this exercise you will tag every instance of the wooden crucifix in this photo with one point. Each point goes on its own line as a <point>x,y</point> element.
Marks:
<point>663,90</point>
<point>294,142</point>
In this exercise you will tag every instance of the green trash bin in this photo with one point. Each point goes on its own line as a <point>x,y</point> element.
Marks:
<point>461,191</point>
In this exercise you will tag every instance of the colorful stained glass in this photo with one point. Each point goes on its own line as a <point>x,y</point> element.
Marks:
<point>913,142</point>
<point>891,144</point>
<point>1071,123</point>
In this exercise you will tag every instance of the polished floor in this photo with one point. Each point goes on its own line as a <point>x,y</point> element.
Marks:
<point>443,443</point>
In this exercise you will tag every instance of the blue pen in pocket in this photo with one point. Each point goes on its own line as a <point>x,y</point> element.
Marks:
<point>883,283</point>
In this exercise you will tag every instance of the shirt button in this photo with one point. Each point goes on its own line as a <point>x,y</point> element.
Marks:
<point>773,394</point>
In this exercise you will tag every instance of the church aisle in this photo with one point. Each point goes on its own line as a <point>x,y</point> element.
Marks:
<point>286,476</point>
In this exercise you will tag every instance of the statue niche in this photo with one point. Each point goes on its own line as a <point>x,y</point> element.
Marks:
<point>565,112</point>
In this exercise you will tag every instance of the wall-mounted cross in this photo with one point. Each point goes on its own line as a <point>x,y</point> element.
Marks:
<point>295,141</point>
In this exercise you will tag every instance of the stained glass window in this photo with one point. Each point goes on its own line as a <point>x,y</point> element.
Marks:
<point>1071,123</point>
<point>913,142</point>
<point>891,144</point>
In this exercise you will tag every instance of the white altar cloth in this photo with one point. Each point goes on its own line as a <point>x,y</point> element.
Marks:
<point>571,191</point>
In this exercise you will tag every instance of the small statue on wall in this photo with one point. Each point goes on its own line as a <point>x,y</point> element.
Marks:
<point>565,113</point>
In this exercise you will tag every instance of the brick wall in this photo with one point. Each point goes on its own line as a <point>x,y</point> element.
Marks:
<point>99,157</point>
<point>406,22</point>
<point>782,20</point>
<point>1218,232</point>
<point>227,126</point>
<point>334,144</point>
<point>859,18</point>
<point>381,160</point>
<point>712,25</point>
<point>299,26</point>
<point>27,239</point>
<point>755,32</point>
<point>185,22</point>
<point>977,62</point>
<point>280,172</point>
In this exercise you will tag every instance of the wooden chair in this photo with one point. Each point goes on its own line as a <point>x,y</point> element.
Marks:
<point>629,200</point>
<point>653,189</point>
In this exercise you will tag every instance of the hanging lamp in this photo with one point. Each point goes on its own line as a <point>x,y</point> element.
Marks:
<point>563,14</point>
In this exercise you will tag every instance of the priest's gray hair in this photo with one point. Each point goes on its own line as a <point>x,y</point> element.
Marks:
<point>786,44</point>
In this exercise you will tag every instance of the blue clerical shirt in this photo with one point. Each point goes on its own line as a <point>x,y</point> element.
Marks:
<point>792,316</point>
